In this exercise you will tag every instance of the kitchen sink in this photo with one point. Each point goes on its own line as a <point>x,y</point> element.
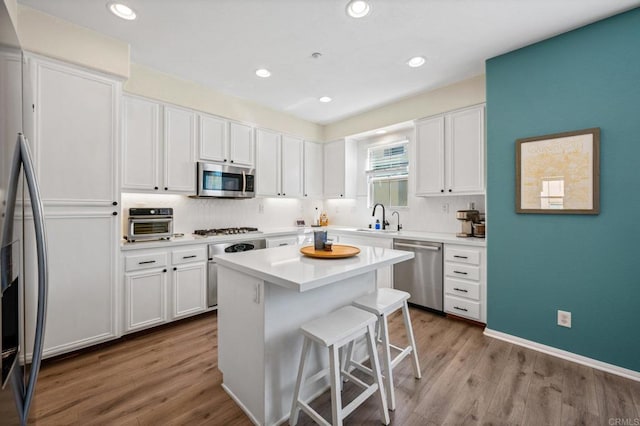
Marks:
<point>377,231</point>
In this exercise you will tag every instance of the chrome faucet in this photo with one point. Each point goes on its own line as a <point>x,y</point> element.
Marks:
<point>398,214</point>
<point>384,220</point>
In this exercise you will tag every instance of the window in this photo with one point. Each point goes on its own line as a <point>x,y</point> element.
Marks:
<point>387,173</point>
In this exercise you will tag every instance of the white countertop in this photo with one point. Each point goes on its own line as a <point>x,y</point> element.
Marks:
<point>287,267</point>
<point>438,237</point>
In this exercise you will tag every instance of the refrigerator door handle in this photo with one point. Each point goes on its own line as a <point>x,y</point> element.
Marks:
<point>22,157</point>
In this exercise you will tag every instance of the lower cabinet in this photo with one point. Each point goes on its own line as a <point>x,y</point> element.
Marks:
<point>465,289</point>
<point>161,285</point>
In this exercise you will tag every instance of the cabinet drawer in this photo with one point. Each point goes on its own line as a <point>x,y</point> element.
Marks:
<point>145,261</point>
<point>462,271</point>
<point>462,307</point>
<point>282,241</point>
<point>470,256</point>
<point>189,255</point>
<point>466,289</point>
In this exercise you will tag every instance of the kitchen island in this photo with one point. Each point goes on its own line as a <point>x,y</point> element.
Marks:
<point>263,298</point>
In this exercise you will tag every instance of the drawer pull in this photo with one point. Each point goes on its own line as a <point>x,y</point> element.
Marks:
<point>461,289</point>
<point>146,262</point>
<point>461,309</point>
<point>460,272</point>
<point>189,257</point>
<point>283,244</point>
<point>460,257</point>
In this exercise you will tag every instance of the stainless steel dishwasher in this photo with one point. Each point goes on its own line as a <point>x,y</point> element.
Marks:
<point>422,275</point>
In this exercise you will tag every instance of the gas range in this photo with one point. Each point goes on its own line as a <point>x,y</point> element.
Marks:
<point>226,231</point>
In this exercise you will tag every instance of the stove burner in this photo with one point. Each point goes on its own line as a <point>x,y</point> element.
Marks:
<point>224,231</point>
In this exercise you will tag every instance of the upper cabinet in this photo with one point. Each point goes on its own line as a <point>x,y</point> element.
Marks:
<point>279,165</point>
<point>76,139</point>
<point>158,147</point>
<point>450,153</point>
<point>340,165</point>
<point>313,169</point>
<point>223,141</point>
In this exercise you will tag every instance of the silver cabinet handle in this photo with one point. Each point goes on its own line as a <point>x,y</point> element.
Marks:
<point>22,157</point>
<point>416,246</point>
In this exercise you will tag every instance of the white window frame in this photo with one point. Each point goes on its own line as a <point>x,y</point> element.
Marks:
<point>387,174</point>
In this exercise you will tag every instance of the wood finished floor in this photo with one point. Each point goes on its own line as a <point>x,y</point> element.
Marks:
<point>170,376</point>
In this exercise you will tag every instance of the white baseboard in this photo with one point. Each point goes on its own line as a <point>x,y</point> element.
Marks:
<point>569,356</point>
<point>241,405</point>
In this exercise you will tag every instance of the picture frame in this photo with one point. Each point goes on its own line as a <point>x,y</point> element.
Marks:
<point>559,173</point>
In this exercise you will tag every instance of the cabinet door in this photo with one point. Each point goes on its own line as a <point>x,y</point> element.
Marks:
<point>82,302</point>
<point>465,151</point>
<point>334,169</point>
<point>213,138</point>
<point>313,169</point>
<point>179,141</point>
<point>76,140</point>
<point>268,164</point>
<point>430,156</point>
<point>189,289</point>
<point>145,299</point>
<point>140,145</point>
<point>241,146</point>
<point>291,166</point>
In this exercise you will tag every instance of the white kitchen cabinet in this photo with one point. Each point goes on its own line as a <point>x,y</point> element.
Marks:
<point>465,281</point>
<point>141,145</point>
<point>313,169</point>
<point>227,142</point>
<point>241,145</point>
<point>158,143</point>
<point>450,153</point>
<point>76,151</point>
<point>340,166</point>
<point>189,281</point>
<point>179,142</point>
<point>384,276</point>
<point>76,139</point>
<point>145,290</point>
<point>82,303</point>
<point>279,165</point>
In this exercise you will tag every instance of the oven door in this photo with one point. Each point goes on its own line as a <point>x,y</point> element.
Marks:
<point>149,228</point>
<point>215,180</point>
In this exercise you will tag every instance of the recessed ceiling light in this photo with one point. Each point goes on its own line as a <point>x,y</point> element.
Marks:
<point>263,72</point>
<point>416,61</point>
<point>122,11</point>
<point>325,99</point>
<point>358,8</point>
<point>381,132</point>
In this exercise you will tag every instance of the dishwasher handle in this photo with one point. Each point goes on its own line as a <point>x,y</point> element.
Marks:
<point>416,246</point>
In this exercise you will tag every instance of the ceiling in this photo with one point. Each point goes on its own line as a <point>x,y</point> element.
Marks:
<point>220,43</point>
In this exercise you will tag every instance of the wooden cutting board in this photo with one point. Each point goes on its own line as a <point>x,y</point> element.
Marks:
<point>338,252</point>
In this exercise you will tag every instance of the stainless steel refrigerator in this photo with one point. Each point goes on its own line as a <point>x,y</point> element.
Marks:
<point>21,208</point>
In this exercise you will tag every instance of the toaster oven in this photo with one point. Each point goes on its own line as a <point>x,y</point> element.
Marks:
<point>145,224</point>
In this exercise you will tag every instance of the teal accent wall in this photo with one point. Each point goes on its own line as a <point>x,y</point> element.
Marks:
<point>589,265</point>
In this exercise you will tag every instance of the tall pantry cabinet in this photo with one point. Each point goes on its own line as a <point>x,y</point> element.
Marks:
<point>75,145</point>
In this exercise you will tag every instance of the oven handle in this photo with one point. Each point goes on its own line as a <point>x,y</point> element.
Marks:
<point>416,246</point>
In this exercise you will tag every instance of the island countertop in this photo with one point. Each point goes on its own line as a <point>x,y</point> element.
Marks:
<point>287,267</point>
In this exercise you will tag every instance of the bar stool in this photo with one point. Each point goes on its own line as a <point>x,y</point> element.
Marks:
<point>333,331</point>
<point>383,302</point>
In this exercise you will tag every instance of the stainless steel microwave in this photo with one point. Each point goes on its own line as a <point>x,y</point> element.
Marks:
<point>216,180</point>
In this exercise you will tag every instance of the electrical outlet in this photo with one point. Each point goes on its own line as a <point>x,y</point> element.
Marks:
<point>260,208</point>
<point>445,208</point>
<point>564,319</point>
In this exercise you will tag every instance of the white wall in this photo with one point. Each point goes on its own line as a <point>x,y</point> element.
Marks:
<point>421,214</point>
<point>193,213</point>
<point>457,95</point>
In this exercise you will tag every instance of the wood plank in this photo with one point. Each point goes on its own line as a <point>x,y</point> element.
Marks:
<point>579,401</point>
<point>492,364</point>
<point>614,397</point>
